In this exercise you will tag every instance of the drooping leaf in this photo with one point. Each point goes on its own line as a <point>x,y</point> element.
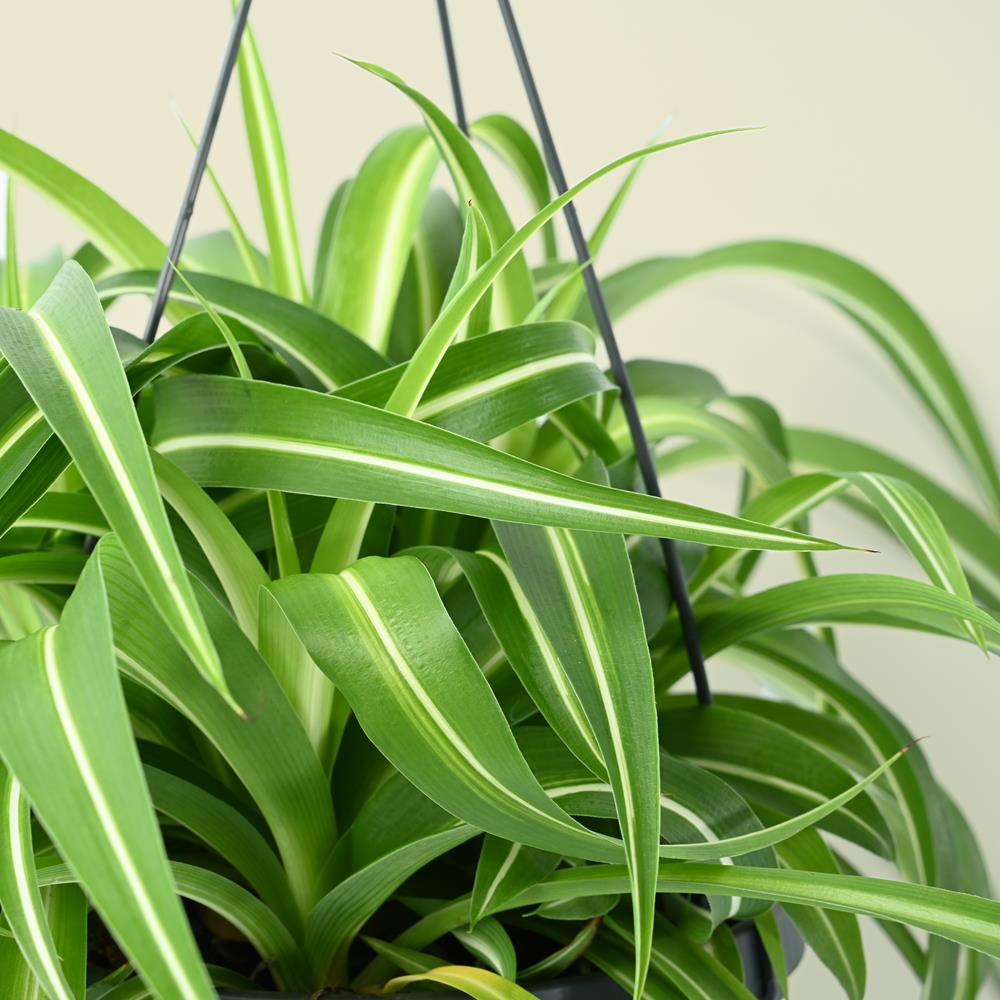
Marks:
<point>261,436</point>
<point>63,353</point>
<point>512,142</point>
<point>113,230</point>
<point>880,311</point>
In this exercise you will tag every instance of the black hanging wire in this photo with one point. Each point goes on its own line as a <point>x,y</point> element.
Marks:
<point>647,467</point>
<point>166,277</point>
<point>449,54</point>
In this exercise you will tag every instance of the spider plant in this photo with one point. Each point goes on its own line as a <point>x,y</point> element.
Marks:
<point>374,665</point>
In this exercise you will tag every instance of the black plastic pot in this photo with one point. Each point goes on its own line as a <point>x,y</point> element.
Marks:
<point>758,974</point>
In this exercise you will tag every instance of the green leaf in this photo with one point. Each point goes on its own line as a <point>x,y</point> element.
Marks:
<point>770,937</point>
<point>235,565</point>
<point>976,538</point>
<point>271,172</point>
<point>491,944</point>
<point>407,959</point>
<point>514,295</point>
<point>965,919</point>
<point>321,352</point>
<point>779,831</point>
<point>835,937</point>
<point>664,417</point>
<point>66,511</point>
<point>341,541</point>
<point>65,736</point>
<point>253,434</point>
<point>505,870</point>
<point>269,752</point>
<point>116,232</point>
<point>23,906</point>
<point>13,281</point>
<point>844,597</point>
<point>512,142</point>
<point>562,958</point>
<point>495,382</point>
<point>784,771</point>
<point>325,243</point>
<point>477,983</point>
<point>880,311</point>
<point>526,645</point>
<point>691,969</point>
<point>375,856</point>
<point>376,225</point>
<point>226,831</point>
<point>582,588</point>
<point>41,567</point>
<point>442,729</point>
<point>429,272</point>
<point>63,353</point>
<point>901,507</point>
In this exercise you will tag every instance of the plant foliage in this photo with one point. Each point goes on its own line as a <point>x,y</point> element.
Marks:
<point>374,665</point>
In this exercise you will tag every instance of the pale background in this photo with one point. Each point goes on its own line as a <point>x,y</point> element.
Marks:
<point>882,142</point>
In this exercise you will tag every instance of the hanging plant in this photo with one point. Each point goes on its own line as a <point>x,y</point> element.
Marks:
<point>346,627</point>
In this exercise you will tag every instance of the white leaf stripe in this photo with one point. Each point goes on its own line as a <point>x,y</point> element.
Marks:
<point>574,575</point>
<point>117,839</point>
<point>408,685</point>
<point>26,422</point>
<point>726,767</point>
<point>196,634</point>
<point>309,449</point>
<point>847,964</point>
<point>382,299</point>
<point>40,953</point>
<point>901,506</point>
<point>436,406</point>
<point>491,891</point>
<point>567,694</point>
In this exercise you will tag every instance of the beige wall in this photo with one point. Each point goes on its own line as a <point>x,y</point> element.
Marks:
<point>882,141</point>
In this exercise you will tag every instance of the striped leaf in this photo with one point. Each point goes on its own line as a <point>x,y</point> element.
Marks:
<point>23,906</point>
<point>65,736</point>
<point>261,436</point>
<point>493,383</point>
<point>63,353</point>
<point>514,294</point>
<point>510,140</point>
<point>880,311</point>
<point>267,153</point>
<point>505,870</point>
<point>973,535</point>
<point>269,752</point>
<point>844,597</point>
<point>582,588</point>
<point>477,983</point>
<point>321,352</point>
<point>959,917</point>
<point>376,225</point>
<point>115,231</point>
<point>442,729</point>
